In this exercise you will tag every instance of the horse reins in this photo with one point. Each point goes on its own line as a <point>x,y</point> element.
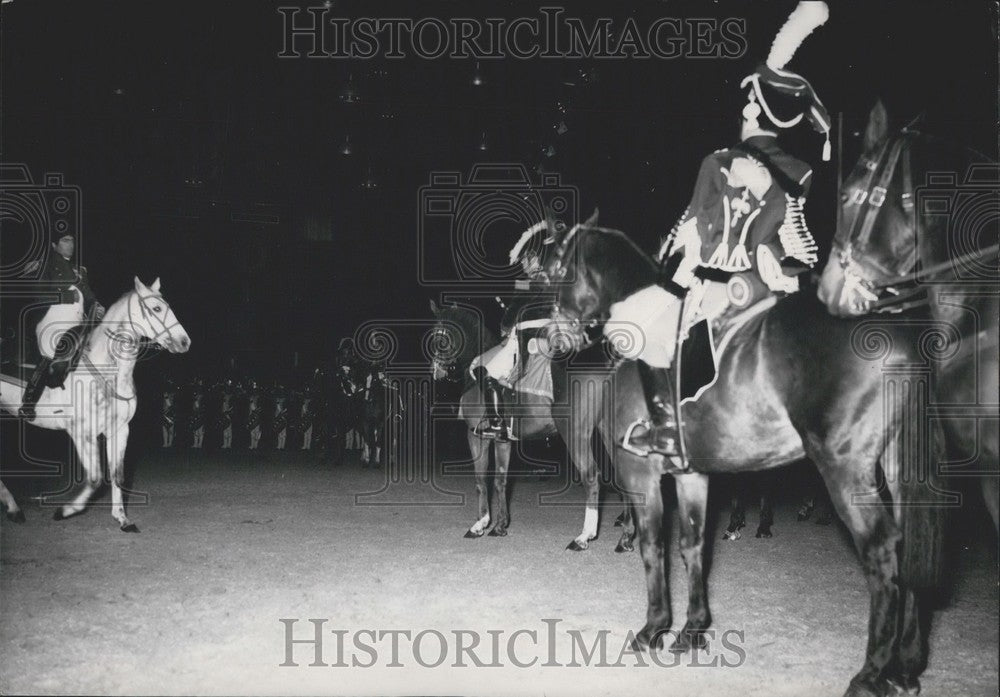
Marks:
<point>146,315</point>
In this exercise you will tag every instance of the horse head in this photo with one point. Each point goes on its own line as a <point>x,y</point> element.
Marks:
<point>881,231</point>
<point>149,316</point>
<point>593,268</point>
<point>458,336</point>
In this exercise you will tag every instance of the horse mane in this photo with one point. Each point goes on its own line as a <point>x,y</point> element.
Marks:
<point>617,266</point>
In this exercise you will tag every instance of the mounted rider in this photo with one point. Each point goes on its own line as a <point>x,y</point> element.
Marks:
<point>743,236</point>
<point>525,316</point>
<point>59,332</point>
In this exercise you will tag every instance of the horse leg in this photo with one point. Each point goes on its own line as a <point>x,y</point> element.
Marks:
<point>875,537</point>
<point>991,495</point>
<point>625,542</point>
<point>806,509</point>
<point>692,499</point>
<point>648,513</point>
<point>766,511</point>
<point>912,646</point>
<point>14,512</point>
<point>116,473</point>
<point>502,465</point>
<point>737,519</point>
<point>377,439</point>
<point>481,464</point>
<point>582,455</point>
<point>85,441</point>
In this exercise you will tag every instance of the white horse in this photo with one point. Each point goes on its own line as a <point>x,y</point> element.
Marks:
<point>98,396</point>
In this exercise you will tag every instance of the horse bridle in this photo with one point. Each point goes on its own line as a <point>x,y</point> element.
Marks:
<point>558,274</point>
<point>146,314</point>
<point>870,197</point>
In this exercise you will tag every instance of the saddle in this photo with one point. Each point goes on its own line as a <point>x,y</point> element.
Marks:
<point>67,357</point>
<point>708,330</point>
<point>68,352</point>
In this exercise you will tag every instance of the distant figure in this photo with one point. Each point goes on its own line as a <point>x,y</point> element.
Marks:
<point>226,419</point>
<point>280,423</point>
<point>254,417</point>
<point>197,422</point>
<point>306,423</point>
<point>169,417</point>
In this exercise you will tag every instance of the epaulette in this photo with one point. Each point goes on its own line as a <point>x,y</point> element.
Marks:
<point>32,266</point>
<point>83,269</point>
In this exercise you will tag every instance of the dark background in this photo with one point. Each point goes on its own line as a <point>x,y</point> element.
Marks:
<point>206,160</point>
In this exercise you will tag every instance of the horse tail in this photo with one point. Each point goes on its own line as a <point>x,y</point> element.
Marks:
<point>923,500</point>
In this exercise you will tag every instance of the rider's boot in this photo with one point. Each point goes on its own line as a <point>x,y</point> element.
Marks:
<point>33,390</point>
<point>660,435</point>
<point>493,424</point>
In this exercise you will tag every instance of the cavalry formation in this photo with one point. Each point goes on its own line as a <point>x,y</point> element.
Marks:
<point>326,412</point>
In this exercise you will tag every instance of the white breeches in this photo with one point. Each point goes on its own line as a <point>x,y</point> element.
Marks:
<point>644,325</point>
<point>58,319</point>
<point>501,365</point>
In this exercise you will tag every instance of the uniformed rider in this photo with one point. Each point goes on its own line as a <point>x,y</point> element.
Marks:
<point>75,302</point>
<point>742,237</point>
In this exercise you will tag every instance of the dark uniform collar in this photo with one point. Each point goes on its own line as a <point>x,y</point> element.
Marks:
<point>764,142</point>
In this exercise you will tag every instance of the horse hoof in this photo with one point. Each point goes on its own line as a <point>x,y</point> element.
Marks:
<point>864,688</point>
<point>764,533</point>
<point>624,547</point>
<point>17,517</point>
<point>732,535</point>
<point>498,532</point>
<point>470,535</point>
<point>130,527</point>
<point>689,639</point>
<point>649,639</point>
<point>905,685</point>
<point>575,546</point>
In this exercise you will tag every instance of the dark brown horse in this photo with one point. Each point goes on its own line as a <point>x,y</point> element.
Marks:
<point>580,399</point>
<point>916,202</point>
<point>793,382</point>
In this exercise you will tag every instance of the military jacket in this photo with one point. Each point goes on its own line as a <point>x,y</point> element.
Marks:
<point>748,197</point>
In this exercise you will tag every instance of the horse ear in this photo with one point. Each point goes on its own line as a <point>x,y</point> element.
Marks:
<point>878,126</point>
<point>592,220</point>
<point>434,307</point>
<point>139,287</point>
<point>156,285</point>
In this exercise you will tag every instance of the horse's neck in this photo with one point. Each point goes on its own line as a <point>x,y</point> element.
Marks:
<point>114,328</point>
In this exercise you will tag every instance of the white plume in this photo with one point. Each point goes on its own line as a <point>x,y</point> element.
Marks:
<point>515,251</point>
<point>806,16</point>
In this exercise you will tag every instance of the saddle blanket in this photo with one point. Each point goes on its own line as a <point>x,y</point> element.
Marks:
<point>537,377</point>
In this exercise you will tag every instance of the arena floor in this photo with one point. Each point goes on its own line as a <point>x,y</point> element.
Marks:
<point>230,545</point>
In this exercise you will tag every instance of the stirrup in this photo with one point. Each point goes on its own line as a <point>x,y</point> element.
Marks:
<point>501,432</point>
<point>629,444</point>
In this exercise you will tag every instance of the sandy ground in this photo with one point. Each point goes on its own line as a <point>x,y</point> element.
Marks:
<point>230,545</point>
